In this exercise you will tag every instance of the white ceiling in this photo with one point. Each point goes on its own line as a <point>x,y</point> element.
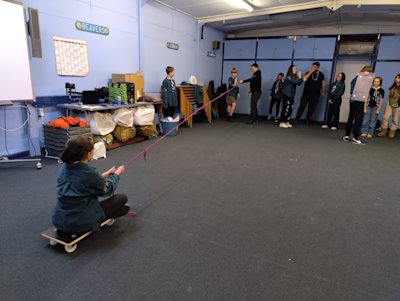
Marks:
<point>231,17</point>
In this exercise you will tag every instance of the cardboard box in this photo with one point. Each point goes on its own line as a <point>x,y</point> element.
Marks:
<point>136,78</point>
<point>120,78</point>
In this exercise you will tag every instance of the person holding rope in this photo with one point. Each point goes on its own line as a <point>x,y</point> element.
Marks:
<point>233,94</point>
<point>255,90</point>
<point>292,80</point>
<point>79,186</point>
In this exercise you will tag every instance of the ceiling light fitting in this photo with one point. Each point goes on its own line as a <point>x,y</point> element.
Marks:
<point>245,5</point>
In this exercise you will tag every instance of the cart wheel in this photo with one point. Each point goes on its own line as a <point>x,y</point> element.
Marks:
<point>111,222</point>
<point>39,165</point>
<point>70,249</point>
<point>53,242</point>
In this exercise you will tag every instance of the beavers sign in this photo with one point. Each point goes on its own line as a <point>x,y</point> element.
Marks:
<point>84,26</point>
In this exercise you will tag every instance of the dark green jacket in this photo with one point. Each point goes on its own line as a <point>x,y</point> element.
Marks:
<point>289,85</point>
<point>336,90</point>
<point>169,96</point>
<point>235,91</point>
<point>78,188</point>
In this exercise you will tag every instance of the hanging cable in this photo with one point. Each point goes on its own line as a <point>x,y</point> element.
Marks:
<point>29,133</point>
<point>5,133</point>
<point>17,128</point>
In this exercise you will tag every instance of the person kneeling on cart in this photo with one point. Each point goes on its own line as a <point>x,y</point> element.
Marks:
<point>79,186</point>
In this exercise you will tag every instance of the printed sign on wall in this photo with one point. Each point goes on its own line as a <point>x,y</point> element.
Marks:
<point>172,46</point>
<point>93,28</point>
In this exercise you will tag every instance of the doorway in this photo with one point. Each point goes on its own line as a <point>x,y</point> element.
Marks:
<point>349,66</point>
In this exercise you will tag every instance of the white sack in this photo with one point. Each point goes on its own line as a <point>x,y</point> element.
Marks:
<point>143,115</point>
<point>123,117</point>
<point>101,123</point>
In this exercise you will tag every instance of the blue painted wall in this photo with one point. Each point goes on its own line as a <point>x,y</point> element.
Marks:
<point>137,40</point>
<point>388,64</point>
<point>115,53</point>
<point>275,55</point>
<point>162,25</point>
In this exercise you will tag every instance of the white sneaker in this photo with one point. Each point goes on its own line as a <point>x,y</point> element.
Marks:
<point>346,138</point>
<point>283,125</point>
<point>289,125</point>
<point>269,117</point>
<point>324,126</point>
<point>357,141</point>
<point>333,128</point>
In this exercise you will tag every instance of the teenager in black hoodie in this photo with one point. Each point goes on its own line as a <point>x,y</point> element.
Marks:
<point>276,97</point>
<point>255,90</point>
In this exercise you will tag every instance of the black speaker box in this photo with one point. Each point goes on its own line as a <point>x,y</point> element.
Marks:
<point>215,45</point>
<point>34,31</point>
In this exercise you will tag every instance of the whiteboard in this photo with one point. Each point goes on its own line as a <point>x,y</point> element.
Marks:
<point>15,75</point>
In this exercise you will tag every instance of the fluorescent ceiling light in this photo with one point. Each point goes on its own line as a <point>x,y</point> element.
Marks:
<point>244,4</point>
<point>247,24</point>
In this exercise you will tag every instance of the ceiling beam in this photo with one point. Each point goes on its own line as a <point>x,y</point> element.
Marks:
<point>330,4</point>
<point>380,27</point>
<point>173,8</point>
<point>143,2</point>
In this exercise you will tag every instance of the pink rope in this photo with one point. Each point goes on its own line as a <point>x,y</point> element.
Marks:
<point>145,151</point>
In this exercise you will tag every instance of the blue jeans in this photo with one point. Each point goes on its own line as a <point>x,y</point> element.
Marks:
<point>369,121</point>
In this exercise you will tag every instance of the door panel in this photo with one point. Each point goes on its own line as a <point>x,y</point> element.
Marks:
<point>350,67</point>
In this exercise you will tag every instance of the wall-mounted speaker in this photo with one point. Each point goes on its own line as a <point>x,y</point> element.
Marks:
<point>34,32</point>
<point>215,45</point>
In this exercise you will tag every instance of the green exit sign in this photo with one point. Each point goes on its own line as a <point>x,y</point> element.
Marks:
<point>172,46</point>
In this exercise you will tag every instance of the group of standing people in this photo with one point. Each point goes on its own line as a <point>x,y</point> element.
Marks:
<point>365,105</point>
<point>283,90</point>
<point>363,112</point>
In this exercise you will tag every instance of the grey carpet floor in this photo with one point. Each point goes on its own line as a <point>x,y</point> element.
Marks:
<point>225,212</point>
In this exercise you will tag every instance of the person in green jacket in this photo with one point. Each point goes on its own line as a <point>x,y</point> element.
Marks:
<point>79,186</point>
<point>169,95</point>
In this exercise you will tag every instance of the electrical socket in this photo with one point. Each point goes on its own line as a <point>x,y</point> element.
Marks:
<point>41,112</point>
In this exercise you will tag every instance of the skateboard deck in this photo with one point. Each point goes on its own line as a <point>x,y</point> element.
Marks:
<point>56,236</point>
